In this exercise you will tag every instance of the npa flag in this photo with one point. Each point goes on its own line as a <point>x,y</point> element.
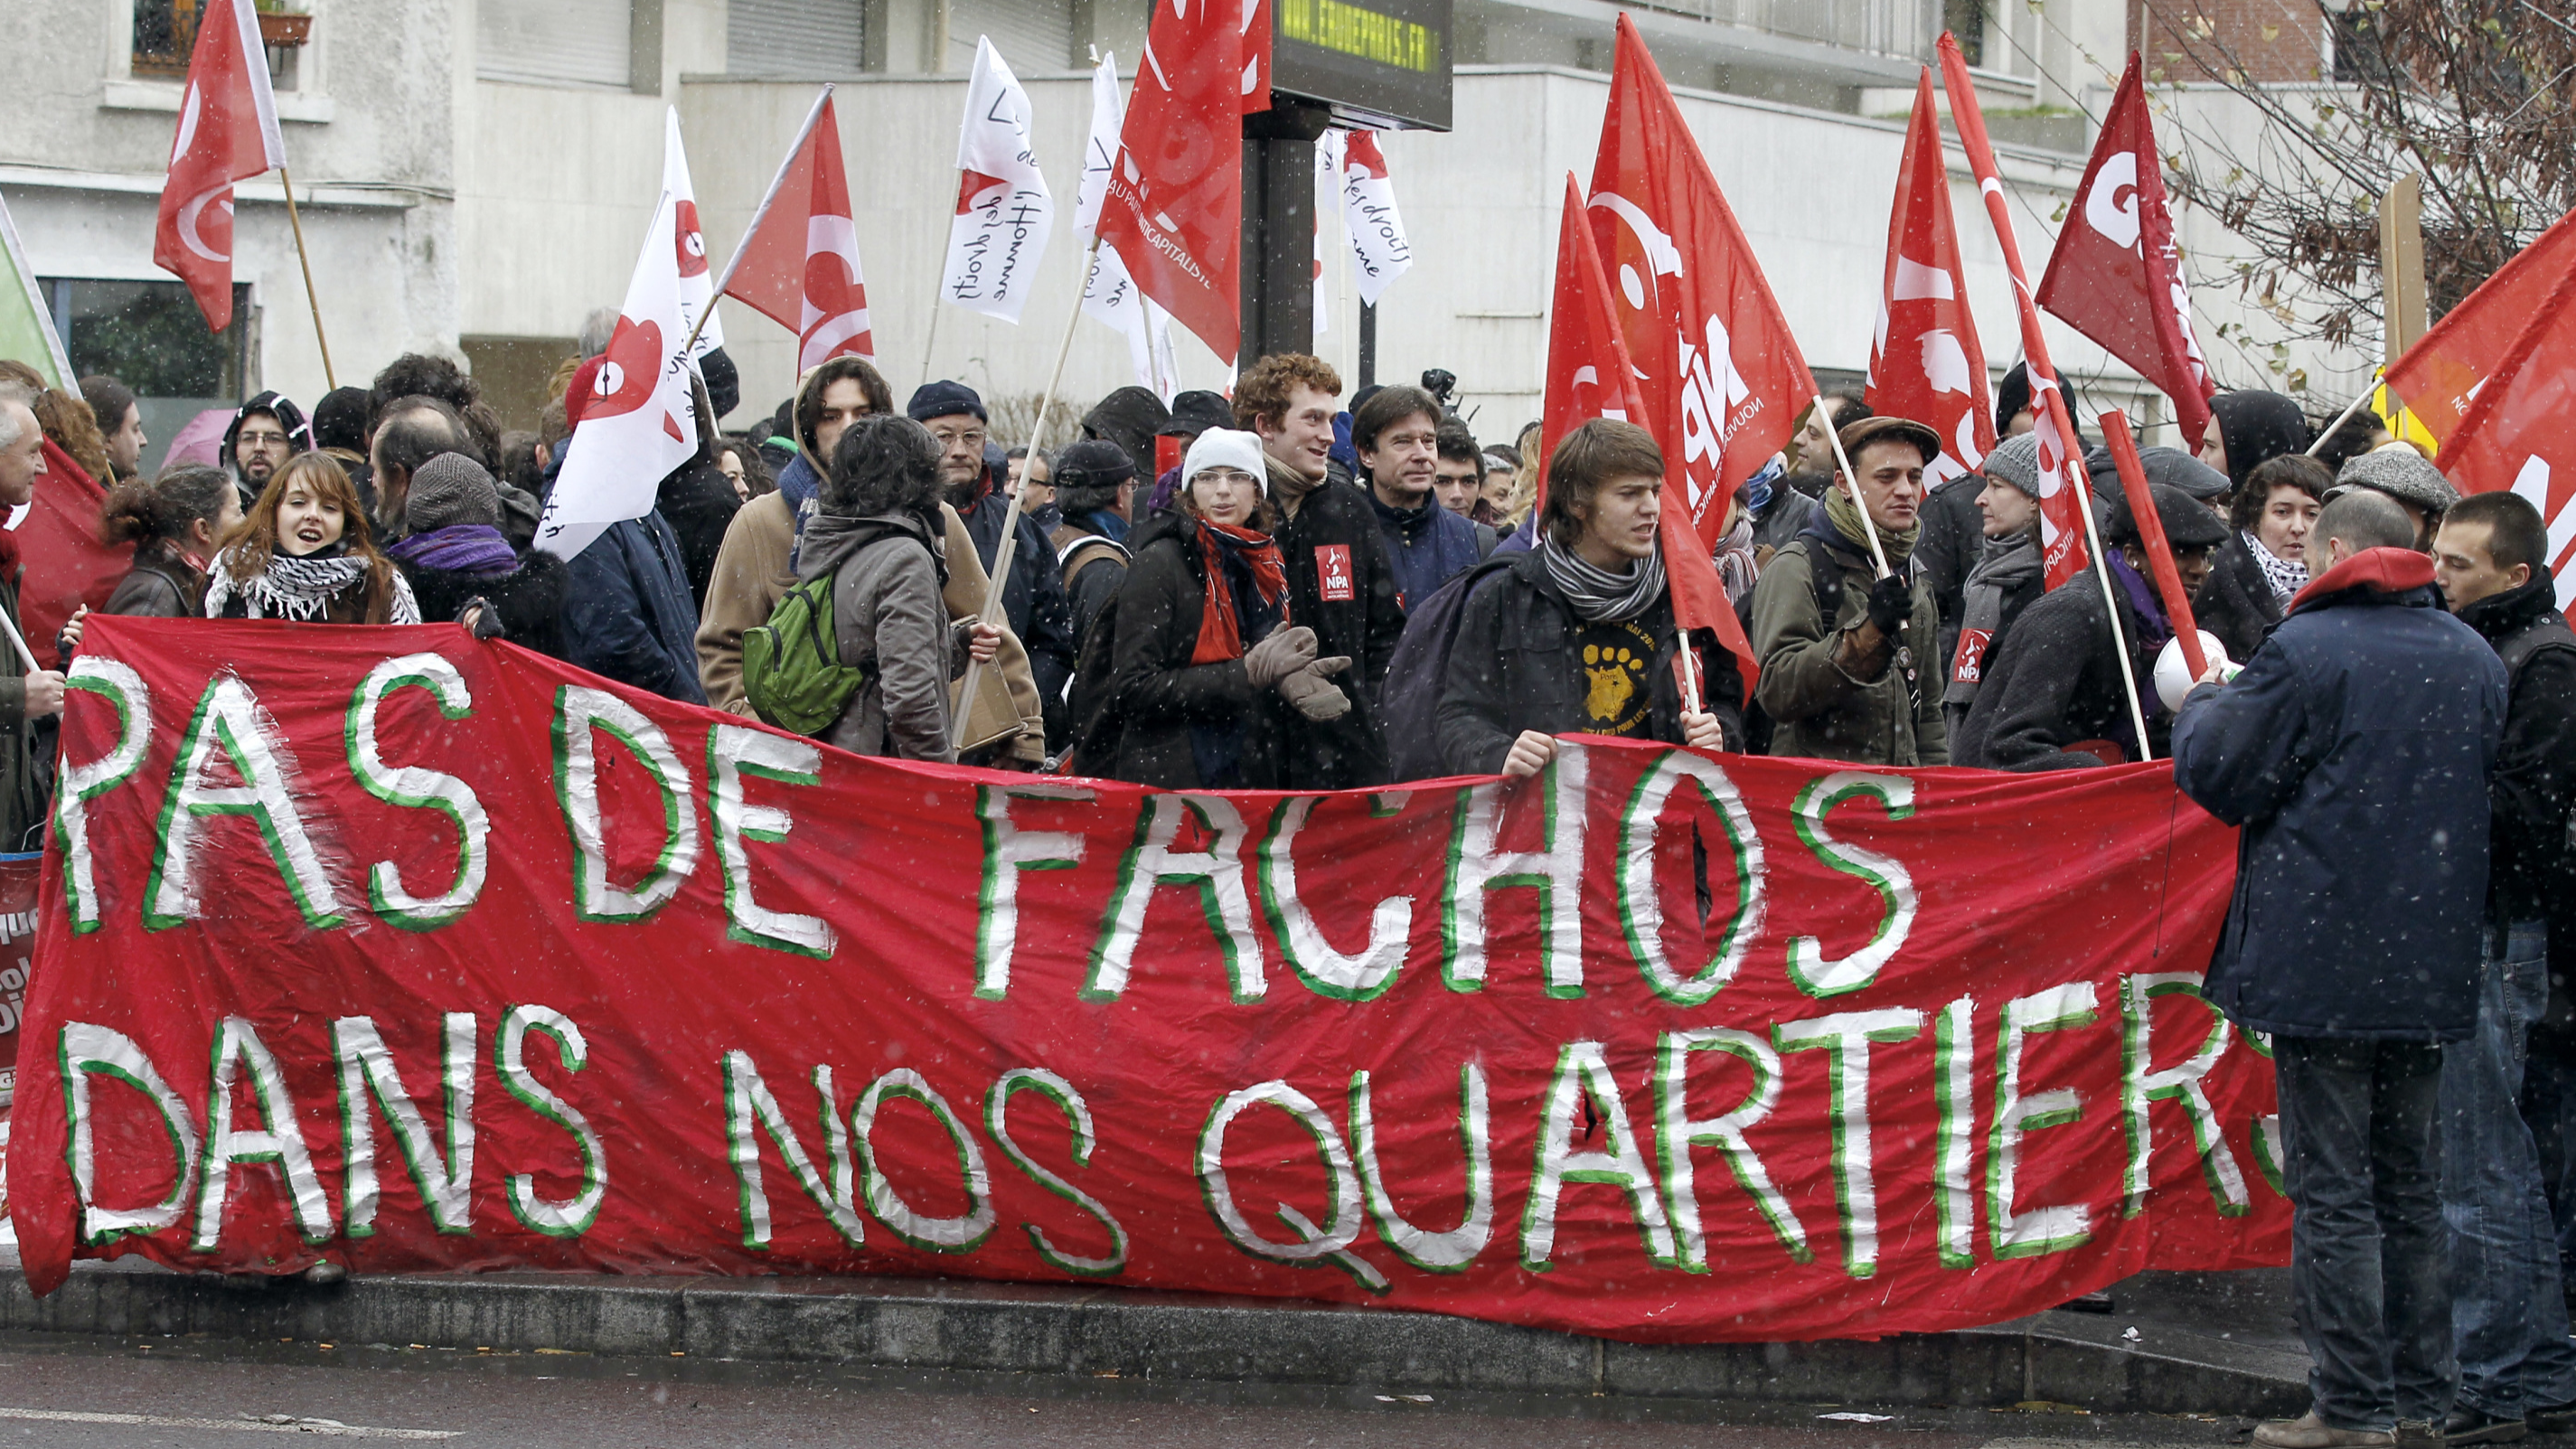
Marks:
<point>2063,485</point>
<point>642,419</point>
<point>2520,433</point>
<point>697,283</point>
<point>798,264</point>
<point>1720,375</point>
<point>2116,277</point>
<point>1590,376</point>
<point>227,133</point>
<point>1108,293</point>
<point>1925,363</point>
<point>1004,210</point>
<point>2439,376</point>
<point>1174,208</point>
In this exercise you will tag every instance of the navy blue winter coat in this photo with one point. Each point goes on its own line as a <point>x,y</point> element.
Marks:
<point>627,611</point>
<point>2354,752</point>
<point>1425,547</point>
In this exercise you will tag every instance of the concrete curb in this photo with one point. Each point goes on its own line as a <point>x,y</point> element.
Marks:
<point>939,1324</point>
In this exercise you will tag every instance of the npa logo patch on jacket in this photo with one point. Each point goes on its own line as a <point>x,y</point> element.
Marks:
<point>1968,666</point>
<point>1333,573</point>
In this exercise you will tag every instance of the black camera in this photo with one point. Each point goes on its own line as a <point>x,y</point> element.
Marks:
<point>1440,382</point>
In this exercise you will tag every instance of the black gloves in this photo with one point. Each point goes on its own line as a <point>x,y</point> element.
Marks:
<point>1891,603</point>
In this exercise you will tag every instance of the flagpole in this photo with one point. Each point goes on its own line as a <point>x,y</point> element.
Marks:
<point>2344,417</point>
<point>1851,480</point>
<point>930,338</point>
<point>992,610</point>
<point>296,224</point>
<point>18,642</point>
<point>2111,608</point>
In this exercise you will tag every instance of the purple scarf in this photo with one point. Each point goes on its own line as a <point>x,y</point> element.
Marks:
<point>476,549</point>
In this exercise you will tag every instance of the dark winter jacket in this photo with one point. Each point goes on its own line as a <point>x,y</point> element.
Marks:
<point>1954,538</point>
<point>161,586</point>
<point>1033,601</point>
<point>1516,665</point>
<point>1341,585</point>
<point>2355,753</point>
<point>1158,693</point>
<point>1783,517</point>
<point>2056,682</point>
<point>2236,602</point>
<point>25,775</point>
<point>628,612</point>
<point>528,601</point>
<point>1092,565</point>
<point>2533,875</point>
<point>1425,547</point>
<point>699,503</point>
<point>888,618</point>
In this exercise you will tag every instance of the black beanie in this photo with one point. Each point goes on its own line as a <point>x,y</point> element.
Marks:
<point>2012,398</point>
<point>944,400</point>
<point>2188,522</point>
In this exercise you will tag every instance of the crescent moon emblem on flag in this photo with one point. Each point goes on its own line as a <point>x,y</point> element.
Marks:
<point>188,215</point>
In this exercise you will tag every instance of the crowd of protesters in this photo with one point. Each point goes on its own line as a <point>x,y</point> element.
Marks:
<point>1284,590</point>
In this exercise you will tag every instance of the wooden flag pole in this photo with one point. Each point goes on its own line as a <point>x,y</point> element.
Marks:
<point>2342,418</point>
<point>2401,272</point>
<point>305,260</point>
<point>1002,555</point>
<point>1851,480</point>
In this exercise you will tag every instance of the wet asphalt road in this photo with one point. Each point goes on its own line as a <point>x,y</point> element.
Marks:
<point>98,1393</point>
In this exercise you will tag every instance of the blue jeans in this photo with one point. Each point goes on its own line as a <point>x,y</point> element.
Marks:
<point>2549,1105</point>
<point>2508,1319</point>
<point>2366,1237</point>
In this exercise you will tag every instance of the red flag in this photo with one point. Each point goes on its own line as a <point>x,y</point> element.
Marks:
<point>1257,37</point>
<point>2063,485</point>
<point>1590,376</point>
<point>2439,375</point>
<point>67,565</point>
<point>798,263</point>
<point>1926,363</point>
<point>1174,212</point>
<point>227,133</point>
<point>2116,277</point>
<point>1721,376</point>
<point>2520,433</point>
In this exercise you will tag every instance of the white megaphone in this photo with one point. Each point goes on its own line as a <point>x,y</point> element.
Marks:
<point>2174,677</point>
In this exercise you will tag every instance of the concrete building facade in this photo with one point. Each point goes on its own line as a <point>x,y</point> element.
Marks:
<point>474,176</point>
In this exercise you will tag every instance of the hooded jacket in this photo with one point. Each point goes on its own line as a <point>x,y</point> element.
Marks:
<point>2355,755</point>
<point>299,432</point>
<point>755,568</point>
<point>888,618</point>
<point>2256,426</point>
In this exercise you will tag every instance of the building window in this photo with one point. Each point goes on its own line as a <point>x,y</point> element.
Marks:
<point>151,337</point>
<point>2359,58</point>
<point>165,33</point>
<point>1966,19</point>
<point>556,42</point>
<point>796,37</point>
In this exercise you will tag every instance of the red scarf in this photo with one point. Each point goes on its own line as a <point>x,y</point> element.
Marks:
<point>1220,623</point>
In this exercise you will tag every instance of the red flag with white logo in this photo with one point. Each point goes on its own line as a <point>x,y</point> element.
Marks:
<point>2439,376</point>
<point>689,242</point>
<point>227,133</point>
<point>2116,276</point>
<point>798,264</point>
<point>1589,376</point>
<point>1926,363</point>
<point>2063,485</point>
<point>642,418</point>
<point>2520,433</point>
<point>1721,377</point>
<point>1174,210</point>
<point>1256,43</point>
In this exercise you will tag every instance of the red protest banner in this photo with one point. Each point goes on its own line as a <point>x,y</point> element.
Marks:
<point>417,953</point>
<point>18,877</point>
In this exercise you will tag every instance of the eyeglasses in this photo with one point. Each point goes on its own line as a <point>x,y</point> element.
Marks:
<point>263,440</point>
<point>950,438</point>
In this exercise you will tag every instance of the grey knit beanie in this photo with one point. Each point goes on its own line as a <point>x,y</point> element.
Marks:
<point>451,489</point>
<point>2400,472</point>
<point>2016,461</point>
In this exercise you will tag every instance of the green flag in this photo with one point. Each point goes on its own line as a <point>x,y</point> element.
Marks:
<point>26,328</point>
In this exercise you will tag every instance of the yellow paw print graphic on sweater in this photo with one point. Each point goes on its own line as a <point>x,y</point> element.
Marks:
<point>1611,674</point>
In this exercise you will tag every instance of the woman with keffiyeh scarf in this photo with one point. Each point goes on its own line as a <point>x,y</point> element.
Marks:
<point>305,554</point>
<point>1210,675</point>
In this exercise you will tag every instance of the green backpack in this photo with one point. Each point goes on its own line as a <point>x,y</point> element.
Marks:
<point>792,672</point>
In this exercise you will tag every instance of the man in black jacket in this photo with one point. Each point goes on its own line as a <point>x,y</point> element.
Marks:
<point>2054,698</point>
<point>1339,581</point>
<point>2509,1319</point>
<point>1094,482</point>
<point>1033,600</point>
<point>1576,636</point>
